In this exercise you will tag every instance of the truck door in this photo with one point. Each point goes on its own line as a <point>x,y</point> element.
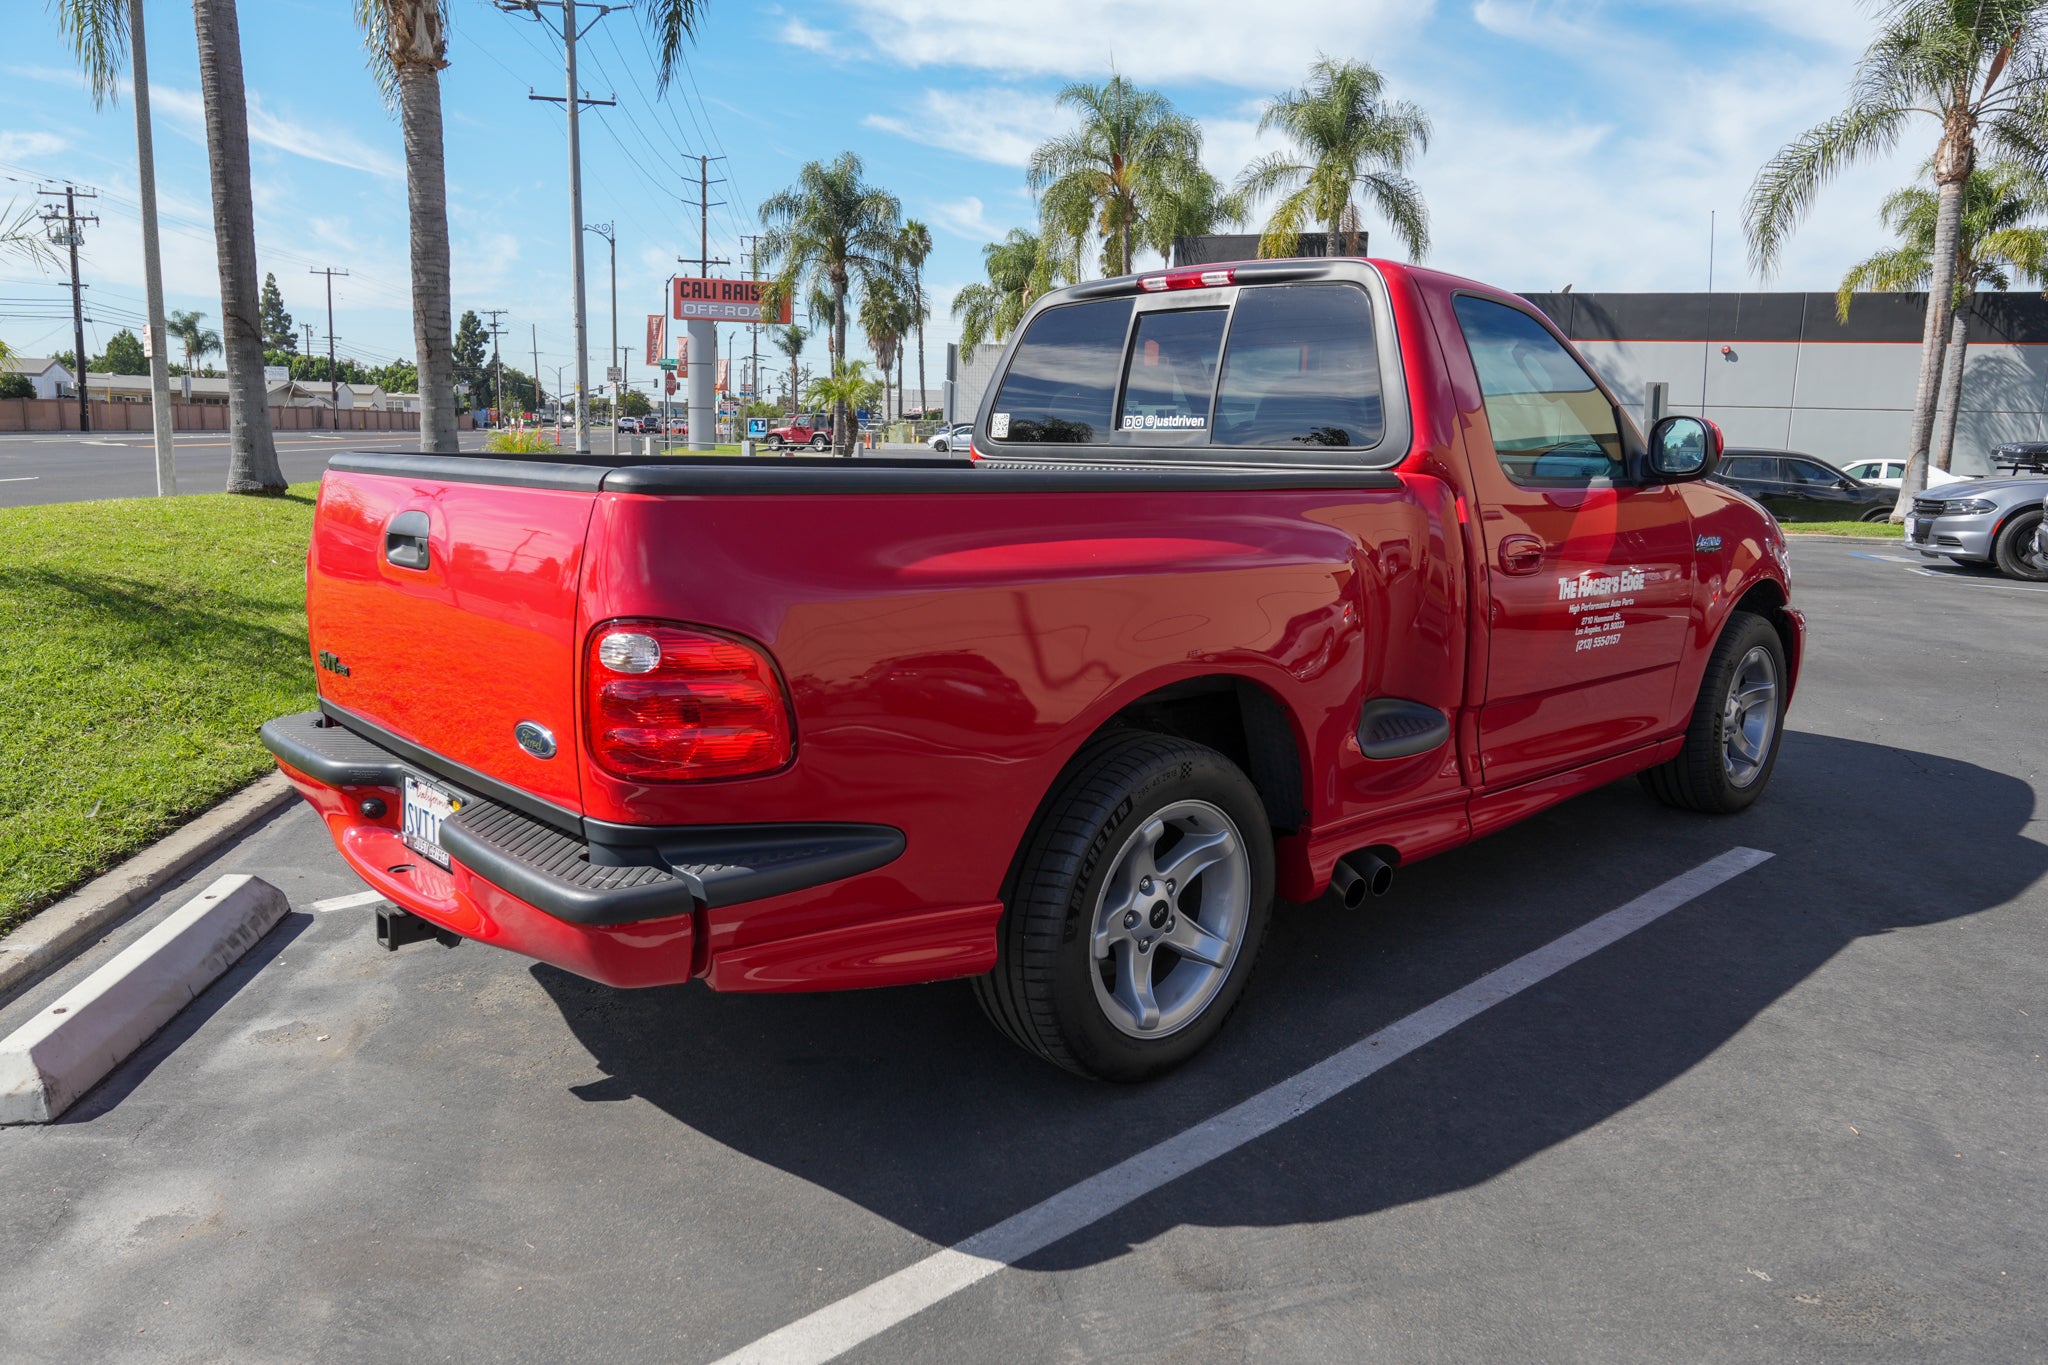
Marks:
<point>1589,575</point>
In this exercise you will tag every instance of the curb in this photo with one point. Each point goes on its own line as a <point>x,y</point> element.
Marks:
<point>48,1063</point>
<point>55,933</point>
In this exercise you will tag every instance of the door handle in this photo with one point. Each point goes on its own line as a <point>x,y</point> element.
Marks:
<point>405,541</point>
<point>1520,554</point>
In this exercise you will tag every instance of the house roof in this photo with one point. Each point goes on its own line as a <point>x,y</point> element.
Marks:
<point>214,386</point>
<point>32,364</point>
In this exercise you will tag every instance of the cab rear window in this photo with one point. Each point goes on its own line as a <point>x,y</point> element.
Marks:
<point>1061,387</point>
<point>1289,367</point>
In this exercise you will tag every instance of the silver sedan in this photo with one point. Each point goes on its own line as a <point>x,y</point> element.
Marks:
<point>1991,523</point>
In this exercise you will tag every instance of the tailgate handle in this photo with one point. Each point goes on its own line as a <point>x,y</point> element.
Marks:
<point>405,541</point>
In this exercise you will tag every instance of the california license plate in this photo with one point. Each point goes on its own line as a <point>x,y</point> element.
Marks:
<point>426,806</point>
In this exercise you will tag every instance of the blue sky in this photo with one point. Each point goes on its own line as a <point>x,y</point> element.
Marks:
<point>1576,142</point>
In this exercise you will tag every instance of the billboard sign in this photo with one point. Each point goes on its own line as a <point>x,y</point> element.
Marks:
<point>699,300</point>
<point>657,338</point>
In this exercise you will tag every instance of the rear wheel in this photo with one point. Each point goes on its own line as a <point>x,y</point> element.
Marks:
<point>820,442</point>
<point>1731,744</point>
<point>1138,910</point>
<point>2015,554</point>
<point>1878,514</point>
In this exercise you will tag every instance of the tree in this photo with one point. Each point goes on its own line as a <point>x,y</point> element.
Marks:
<point>1994,247</point>
<point>673,21</point>
<point>278,332</point>
<point>1979,68</point>
<point>1192,203</point>
<point>830,231</point>
<point>199,342</point>
<point>1132,155</point>
<point>408,42</point>
<point>100,31</point>
<point>848,387</point>
<point>123,355</point>
<point>21,237</point>
<point>913,246</point>
<point>790,341</point>
<point>1347,140</point>
<point>884,321</point>
<point>15,385</point>
<point>633,403</point>
<point>252,454</point>
<point>471,343</point>
<point>400,376</point>
<point>1020,268</point>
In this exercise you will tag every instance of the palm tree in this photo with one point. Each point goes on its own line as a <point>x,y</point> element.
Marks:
<point>1994,247</point>
<point>673,21</point>
<point>1979,68</point>
<point>99,31</point>
<point>1021,267</point>
<point>826,233</point>
<point>252,455</point>
<point>790,341</point>
<point>199,342</point>
<point>1347,139</point>
<point>1113,173</point>
<point>879,324</point>
<point>1192,203</point>
<point>913,245</point>
<point>408,42</point>
<point>845,390</point>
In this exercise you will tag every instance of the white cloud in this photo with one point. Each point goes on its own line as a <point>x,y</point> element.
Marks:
<point>18,146</point>
<point>1001,124</point>
<point>1148,40</point>
<point>966,217</point>
<point>797,33</point>
<point>330,145</point>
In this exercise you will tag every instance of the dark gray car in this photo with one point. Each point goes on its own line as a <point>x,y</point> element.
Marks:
<point>1992,522</point>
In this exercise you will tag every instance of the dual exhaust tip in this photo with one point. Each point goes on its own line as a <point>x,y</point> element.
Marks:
<point>1358,875</point>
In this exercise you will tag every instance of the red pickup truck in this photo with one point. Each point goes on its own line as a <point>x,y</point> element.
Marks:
<point>1271,578</point>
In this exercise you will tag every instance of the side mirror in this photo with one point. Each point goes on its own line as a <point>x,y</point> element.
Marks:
<point>1683,448</point>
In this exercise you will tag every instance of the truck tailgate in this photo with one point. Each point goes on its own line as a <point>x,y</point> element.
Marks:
<point>445,613</point>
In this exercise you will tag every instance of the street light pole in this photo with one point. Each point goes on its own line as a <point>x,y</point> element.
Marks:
<point>610,234</point>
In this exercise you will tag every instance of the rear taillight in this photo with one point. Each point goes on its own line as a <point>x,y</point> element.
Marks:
<point>1186,279</point>
<point>671,703</point>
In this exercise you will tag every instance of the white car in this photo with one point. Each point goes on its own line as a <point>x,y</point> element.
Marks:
<point>1892,473</point>
<point>951,438</point>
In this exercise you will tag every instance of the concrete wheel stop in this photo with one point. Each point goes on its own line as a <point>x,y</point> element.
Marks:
<point>51,1061</point>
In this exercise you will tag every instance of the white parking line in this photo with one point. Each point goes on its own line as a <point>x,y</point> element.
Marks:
<point>346,902</point>
<point>22,478</point>
<point>861,1316</point>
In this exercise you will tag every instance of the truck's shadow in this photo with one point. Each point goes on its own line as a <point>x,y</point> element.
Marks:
<point>907,1103</point>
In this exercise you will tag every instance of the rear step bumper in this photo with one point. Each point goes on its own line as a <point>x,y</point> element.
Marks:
<point>600,875</point>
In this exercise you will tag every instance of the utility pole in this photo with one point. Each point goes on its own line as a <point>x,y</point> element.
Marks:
<point>497,363</point>
<point>333,374</point>
<point>572,104</point>
<point>613,373</point>
<point>69,235</point>
<point>753,241</point>
<point>307,328</point>
<point>536,367</point>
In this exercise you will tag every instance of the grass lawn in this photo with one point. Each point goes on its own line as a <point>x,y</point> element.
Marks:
<point>142,641</point>
<point>1874,530</point>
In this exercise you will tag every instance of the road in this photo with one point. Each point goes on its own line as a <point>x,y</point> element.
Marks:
<point>1797,1118</point>
<point>68,467</point>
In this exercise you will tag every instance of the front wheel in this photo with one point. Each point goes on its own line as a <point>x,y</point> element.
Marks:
<point>1138,910</point>
<point>2015,553</point>
<point>1731,745</point>
<point>1876,514</point>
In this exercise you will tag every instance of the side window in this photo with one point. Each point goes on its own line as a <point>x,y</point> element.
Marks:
<point>1301,369</point>
<point>1811,474</point>
<point>1061,383</point>
<point>1552,426</point>
<point>1748,467</point>
<point>1171,374</point>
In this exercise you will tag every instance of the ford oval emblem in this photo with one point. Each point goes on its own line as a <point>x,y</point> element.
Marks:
<point>535,738</point>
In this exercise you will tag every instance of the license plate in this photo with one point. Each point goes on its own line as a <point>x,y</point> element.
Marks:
<point>1918,530</point>
<point>426,806</point>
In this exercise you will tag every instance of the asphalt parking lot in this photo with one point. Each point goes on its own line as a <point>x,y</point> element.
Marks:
<point>1799,1117</point>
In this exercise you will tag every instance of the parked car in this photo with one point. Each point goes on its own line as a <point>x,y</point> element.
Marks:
<point>951,438</point>
<point>812,429</point>
<point>1892,474</point>
<point>1275,577</point>
<point>629,424</point>
<point>1797,487</point>
<point>1991,522</point>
